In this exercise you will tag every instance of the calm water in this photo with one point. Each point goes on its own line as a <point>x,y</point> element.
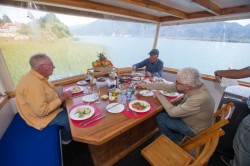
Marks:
<point>206,56</point>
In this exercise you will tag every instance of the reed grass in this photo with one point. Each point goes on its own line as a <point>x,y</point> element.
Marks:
<point>69,58</point>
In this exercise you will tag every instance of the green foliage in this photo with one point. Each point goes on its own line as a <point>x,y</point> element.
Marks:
<point>52,28</point>
<point>5,19</point>
<point>25,29</point>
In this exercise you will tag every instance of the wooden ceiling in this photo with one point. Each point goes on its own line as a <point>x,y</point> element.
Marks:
<point>157,11</point>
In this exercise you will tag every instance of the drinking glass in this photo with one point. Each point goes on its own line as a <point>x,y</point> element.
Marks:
<point>156,74</point>
<point>96,93</point>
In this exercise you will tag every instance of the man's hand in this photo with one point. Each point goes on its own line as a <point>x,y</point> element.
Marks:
<point>217,77</point>
<point>141,85</point>
<point>147,74</point>
<point>65,96</point>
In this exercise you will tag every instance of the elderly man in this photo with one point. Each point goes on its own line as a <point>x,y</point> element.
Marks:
<point>193,114</point>
<point>153,64</point>
<point>37,100</point>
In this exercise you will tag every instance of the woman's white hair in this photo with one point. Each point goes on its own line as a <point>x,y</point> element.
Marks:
<point>190,76</point>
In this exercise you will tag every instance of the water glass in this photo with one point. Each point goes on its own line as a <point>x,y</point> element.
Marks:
<point>129,94</point>
<point>96,92</point>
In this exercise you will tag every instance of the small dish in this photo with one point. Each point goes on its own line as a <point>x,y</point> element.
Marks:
<point>169,94</point>
<point>89,98</point>
<point>82,83</point>
<point>115,108</point>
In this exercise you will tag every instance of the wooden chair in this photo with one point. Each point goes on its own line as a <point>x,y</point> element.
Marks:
<point>220,119</point>
<point>165,152</point>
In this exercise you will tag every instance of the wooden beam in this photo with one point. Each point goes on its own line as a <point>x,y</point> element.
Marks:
<point>158,7</point>
<point>98,8</point>
<point>67,11</point>
<point>209,6</point>
<point>236,10</point>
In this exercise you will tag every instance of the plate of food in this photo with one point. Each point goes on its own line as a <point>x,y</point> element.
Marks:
<point>82,83</point>
<point>146,93</point>
<point>82,112</point>
<point>136,78</point>
<point>160,80</point>
<point>115,108</point>
<point>89,98</point>
<point>76,89</point>
<point>169,94</point>
<point>139,106</point>
<point>138,75</point>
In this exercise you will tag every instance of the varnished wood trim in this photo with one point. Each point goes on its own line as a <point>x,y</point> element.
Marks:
<point>99,8</point>
<point>209,6</point>
<point>158,7</point>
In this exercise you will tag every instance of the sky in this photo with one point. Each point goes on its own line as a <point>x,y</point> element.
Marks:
<point>20,16</point>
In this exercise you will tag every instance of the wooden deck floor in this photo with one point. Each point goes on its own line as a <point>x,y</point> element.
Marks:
<point>77,154</point>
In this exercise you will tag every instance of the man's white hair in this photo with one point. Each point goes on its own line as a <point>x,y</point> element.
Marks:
<point>190,76</point>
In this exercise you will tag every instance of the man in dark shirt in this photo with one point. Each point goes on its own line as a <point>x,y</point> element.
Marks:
<point>153,64</point>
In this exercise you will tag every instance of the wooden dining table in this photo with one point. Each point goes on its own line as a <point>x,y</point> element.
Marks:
<point>114,136</point>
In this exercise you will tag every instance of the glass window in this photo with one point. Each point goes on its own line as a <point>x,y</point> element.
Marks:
<point>72,42</point>
<point>206,46</point>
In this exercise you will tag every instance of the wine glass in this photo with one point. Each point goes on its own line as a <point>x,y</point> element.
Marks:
<point>87,79</point>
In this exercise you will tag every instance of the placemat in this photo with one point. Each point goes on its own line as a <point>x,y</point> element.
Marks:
<point>80,123</point>
<point>136,115</point>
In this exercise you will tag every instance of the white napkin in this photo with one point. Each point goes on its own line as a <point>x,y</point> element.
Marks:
<point>228,82</point>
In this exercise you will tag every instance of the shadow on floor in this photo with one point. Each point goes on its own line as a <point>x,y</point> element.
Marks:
<point>77,154</point>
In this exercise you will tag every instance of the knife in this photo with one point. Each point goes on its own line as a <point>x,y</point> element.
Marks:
<point>112,106</point>
<point>86,124</point>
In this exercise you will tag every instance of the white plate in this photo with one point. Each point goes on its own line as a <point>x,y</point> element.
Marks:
<point>136,78</point>
<point>171,94</point>
<point>116,109</point>
<point>75,116</point>
<point>80,89</point>
<point>89,98</point>
<point>160,80</point>
<point>141,101</point>
<point>82,83</point>
<point>146,93</point>
<point>138,75</point>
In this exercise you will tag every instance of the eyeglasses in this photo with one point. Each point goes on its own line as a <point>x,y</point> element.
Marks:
<point>178,83</point>
<point>51,65</point>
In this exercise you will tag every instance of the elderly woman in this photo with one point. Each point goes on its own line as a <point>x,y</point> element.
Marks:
<point>193,114</point>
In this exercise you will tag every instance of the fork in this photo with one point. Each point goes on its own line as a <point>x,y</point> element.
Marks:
<point>81,123</point>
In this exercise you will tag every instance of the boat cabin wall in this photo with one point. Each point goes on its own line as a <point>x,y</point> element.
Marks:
<point>7,113</point>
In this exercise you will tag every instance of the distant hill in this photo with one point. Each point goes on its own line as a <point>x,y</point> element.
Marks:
<point>214,31</point>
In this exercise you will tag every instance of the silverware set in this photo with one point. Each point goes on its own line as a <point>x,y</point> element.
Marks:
<point>87,123</point>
